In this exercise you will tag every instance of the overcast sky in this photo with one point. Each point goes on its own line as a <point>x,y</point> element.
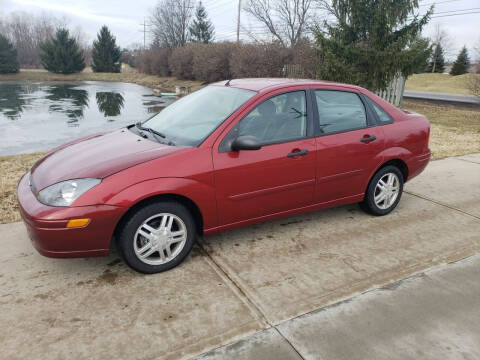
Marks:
<point>125,16</point>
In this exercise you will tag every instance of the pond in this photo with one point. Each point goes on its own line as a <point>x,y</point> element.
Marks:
<point>37,116</point>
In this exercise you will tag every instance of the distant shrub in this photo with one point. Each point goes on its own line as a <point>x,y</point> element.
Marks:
<point>211,62</point>
<point>181,62</point>
<point>154,62</point>
<point>130,57</point>
<point>306,57</point>
<point>259,60</point>
<point>221,61</point>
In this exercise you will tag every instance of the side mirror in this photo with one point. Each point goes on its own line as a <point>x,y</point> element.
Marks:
<point>246,142</point>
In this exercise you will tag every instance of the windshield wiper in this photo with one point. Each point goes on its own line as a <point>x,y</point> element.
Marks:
<point>150,130</point>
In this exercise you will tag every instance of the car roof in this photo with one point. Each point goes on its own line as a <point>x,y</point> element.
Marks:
<point>267,84</point>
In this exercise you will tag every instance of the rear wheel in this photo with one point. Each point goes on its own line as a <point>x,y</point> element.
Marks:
<point>384,191</point>
<point>157,237</point>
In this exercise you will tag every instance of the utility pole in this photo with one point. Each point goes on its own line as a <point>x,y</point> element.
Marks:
<point>144,33</point>
<point>238,20</point>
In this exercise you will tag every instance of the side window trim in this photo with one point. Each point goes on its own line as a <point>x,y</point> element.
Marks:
<point>310,131</point>
<point>369,102</point>
<point>370,117</point>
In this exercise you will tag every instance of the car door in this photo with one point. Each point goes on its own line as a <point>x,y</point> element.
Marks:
<point>349,145</point>
<point>280,175</point>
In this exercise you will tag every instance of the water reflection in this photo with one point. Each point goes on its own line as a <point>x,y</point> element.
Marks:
<point>14,98</point>
<point>110,103</point>
<point>68,99</point>
<point>39,116</point>
<point>155,106</point>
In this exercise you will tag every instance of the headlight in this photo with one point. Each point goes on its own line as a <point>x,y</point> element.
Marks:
<point>66,192</point>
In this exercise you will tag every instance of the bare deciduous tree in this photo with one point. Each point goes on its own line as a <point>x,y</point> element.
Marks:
<point>286,20</point>
<point>27,32</point>
<point>170,21</point>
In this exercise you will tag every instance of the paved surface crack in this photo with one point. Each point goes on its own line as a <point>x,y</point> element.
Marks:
<point>289,343</point>
<point>236,287</point>
<point>442,204</point>
<point>469,161</point>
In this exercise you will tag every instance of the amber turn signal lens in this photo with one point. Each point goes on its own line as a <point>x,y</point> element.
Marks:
<point>76,223</point>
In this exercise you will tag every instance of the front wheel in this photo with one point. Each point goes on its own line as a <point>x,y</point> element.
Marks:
<point>157,237</point>
<point>384,191</point>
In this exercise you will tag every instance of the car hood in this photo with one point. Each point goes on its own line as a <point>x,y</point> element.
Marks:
<point>96,156</point>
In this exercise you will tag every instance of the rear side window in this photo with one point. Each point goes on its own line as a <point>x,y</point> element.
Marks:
<point>340,111</point>
<point>383,117</point>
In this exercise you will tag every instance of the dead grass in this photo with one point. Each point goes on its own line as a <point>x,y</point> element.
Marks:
<point>127,75</point>
<point>454,131</point>
<point>12,168</point>
<point>442,83</point>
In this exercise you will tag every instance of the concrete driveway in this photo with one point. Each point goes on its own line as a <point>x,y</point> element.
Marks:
<point>236,284</point>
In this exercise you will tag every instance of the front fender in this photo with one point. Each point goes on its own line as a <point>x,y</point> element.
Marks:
<point>203,195</point>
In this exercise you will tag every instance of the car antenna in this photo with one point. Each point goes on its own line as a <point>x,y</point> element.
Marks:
<point>228,82</point>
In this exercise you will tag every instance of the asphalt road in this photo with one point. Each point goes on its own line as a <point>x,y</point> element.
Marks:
<point>434,96</point>
<point>273,283</point>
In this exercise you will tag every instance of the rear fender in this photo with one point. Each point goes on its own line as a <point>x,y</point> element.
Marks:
<point>392,154</point>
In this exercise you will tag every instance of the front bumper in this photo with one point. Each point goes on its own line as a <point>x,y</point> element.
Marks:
<point>46,226</point>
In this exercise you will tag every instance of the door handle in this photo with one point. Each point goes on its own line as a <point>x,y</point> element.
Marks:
<point>297,152</point>
<point>367,139</point>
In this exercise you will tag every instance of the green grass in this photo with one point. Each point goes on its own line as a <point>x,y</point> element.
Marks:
<point>442,83</point>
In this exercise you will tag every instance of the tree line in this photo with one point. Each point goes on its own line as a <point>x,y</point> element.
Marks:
<point>365,42</point>
<point>61,53</point>
<point>362,42</point>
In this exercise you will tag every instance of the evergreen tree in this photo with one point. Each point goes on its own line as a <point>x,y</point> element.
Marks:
<point>370,42</point>
<point>201,30</point>
<point>422,49</point>
<point>8,57</point>
<point>437,62</point>
<point>61,54</point>
<point>106,55</point>
<point>461,65</point>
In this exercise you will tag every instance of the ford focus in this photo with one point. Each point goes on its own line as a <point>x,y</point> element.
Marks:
<point>230,154</point>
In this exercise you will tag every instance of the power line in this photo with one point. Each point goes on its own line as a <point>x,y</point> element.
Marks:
<point>468,13</point>
<point>439,2</point>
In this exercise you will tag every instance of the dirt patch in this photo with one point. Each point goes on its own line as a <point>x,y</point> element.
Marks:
<point>108,277</point>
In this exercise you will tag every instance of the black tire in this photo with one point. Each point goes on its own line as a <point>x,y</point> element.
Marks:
<point>368,204</point>
<point>126,235</point>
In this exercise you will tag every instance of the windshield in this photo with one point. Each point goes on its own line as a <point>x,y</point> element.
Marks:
<point>189,120</point>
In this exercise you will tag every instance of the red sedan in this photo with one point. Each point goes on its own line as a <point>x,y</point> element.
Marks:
<point>231,154</point>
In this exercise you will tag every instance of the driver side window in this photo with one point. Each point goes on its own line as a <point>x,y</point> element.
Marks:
<point>281,118</point>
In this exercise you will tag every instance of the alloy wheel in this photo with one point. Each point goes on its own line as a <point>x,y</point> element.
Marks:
<point>386,191</point>
<point>159,239</point>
